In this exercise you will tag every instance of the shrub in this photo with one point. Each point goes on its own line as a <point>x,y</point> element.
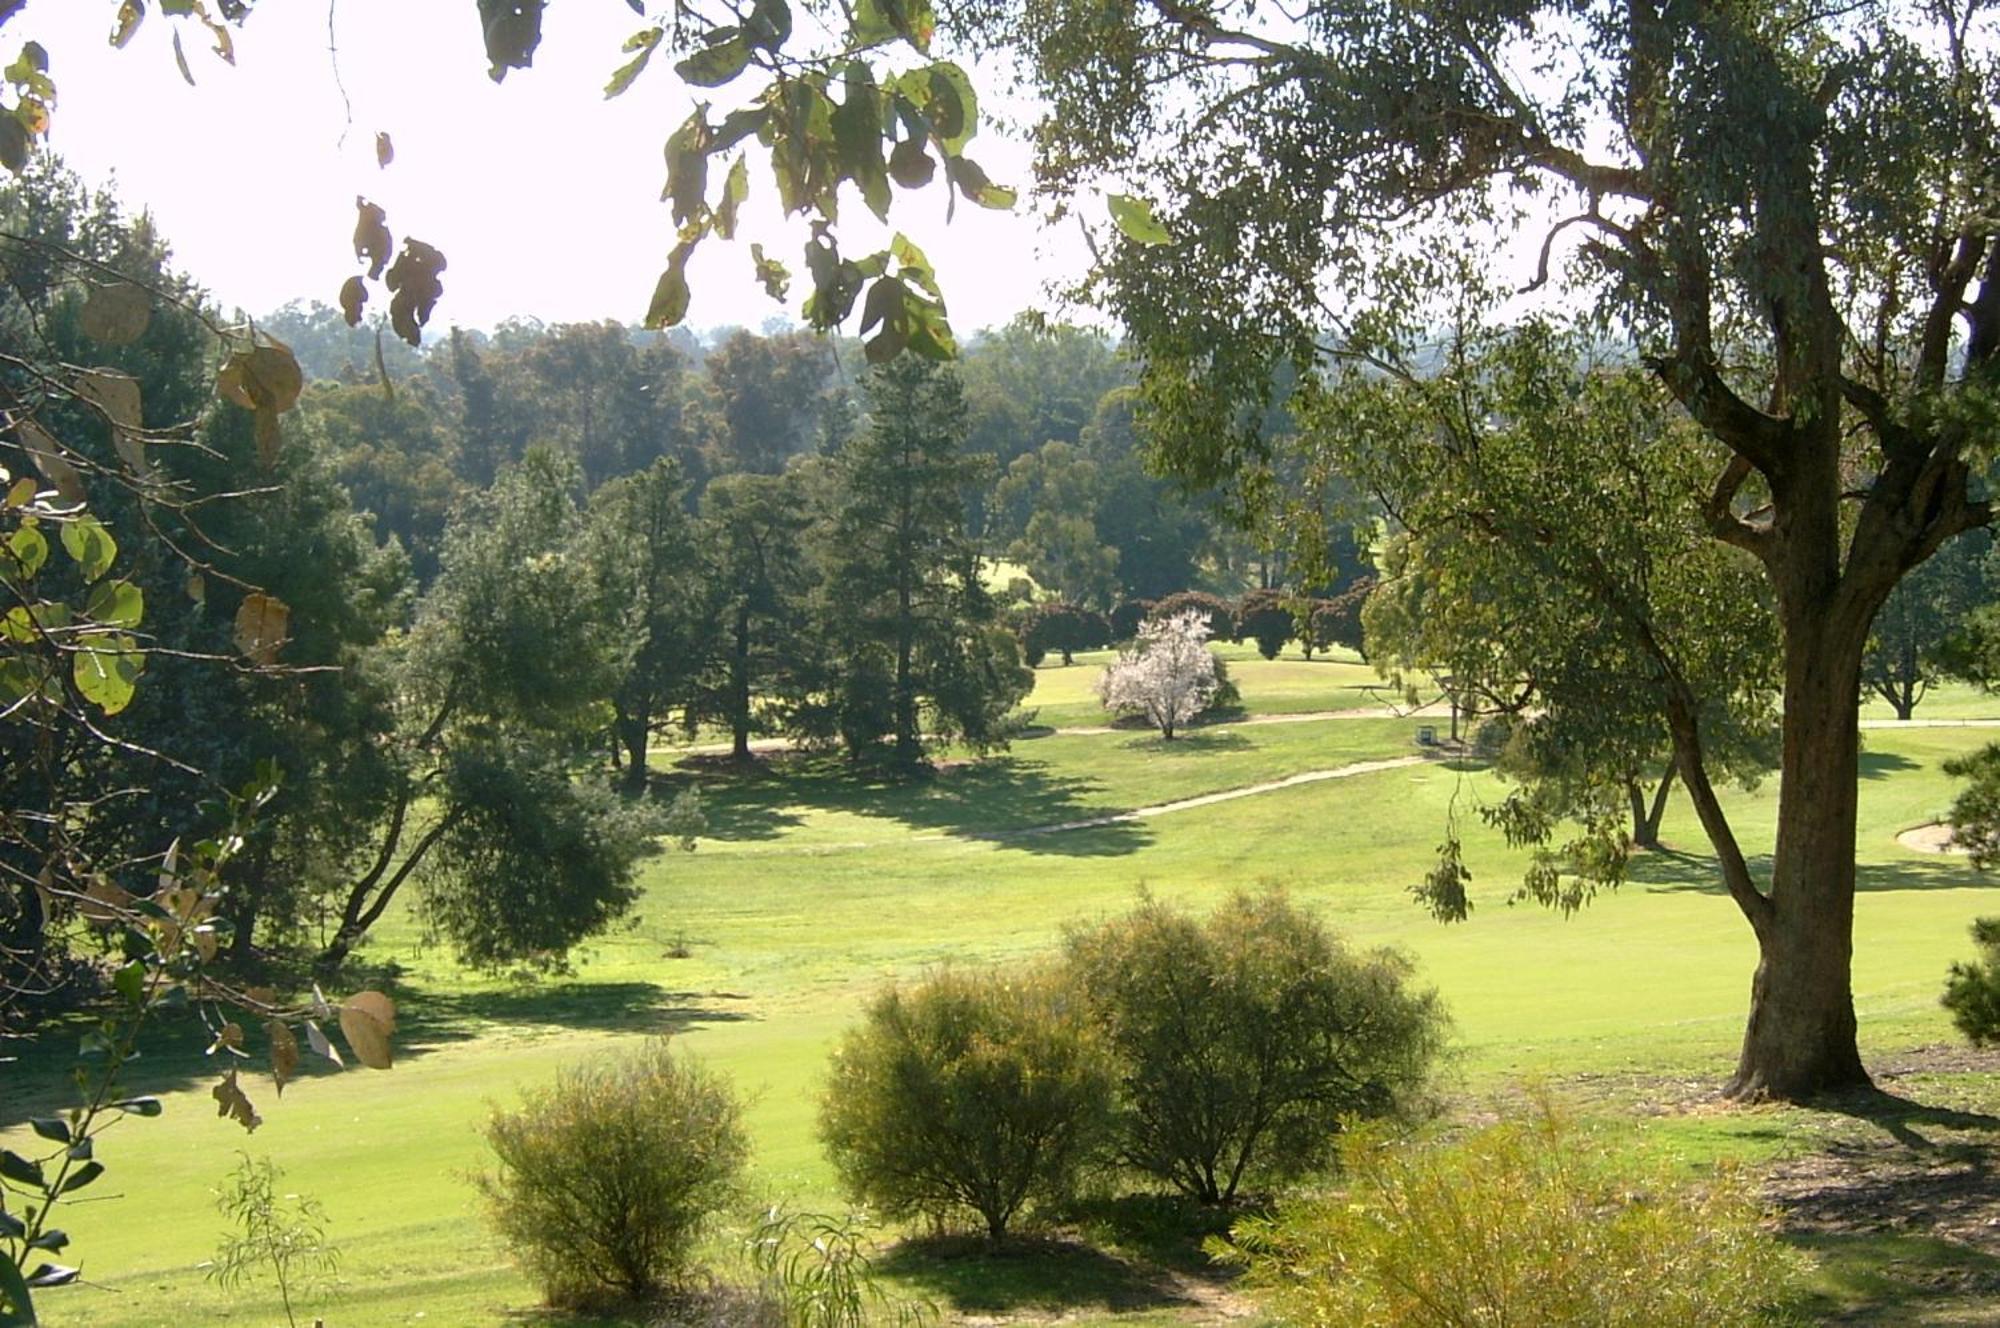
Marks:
<point>606,1178</point>
<point>1521,1223</point>
<point>815,1268</point>
<point>1265,616</point>
<point>1972,992</point>
<point>1245,1040</point>
<point>1214,610</point>
<point>1126,616</point>
<point>1065,629</point>
<point>285,1233</point>
<point>1337,621</point>
<point>973,1092</point>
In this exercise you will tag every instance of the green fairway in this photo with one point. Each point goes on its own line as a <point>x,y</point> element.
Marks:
<point>814,886</point>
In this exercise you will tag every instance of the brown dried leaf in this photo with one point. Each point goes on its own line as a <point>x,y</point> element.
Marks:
<point>322,1045</point>
<point>385,150</point>
<point>116,314</point>
<point>229,1039</point>
<point>372,240</point>
<point>47,454</point>
<point>353,295</point>
<point>416,286</point>
<point>261,624</point>
<point>231,1102</point>
<point>367,1019</point>
<point>117,395</point>
<point>105,901</point>
<point>284,1054</point>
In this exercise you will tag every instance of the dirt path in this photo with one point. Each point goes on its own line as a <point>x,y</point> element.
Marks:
<point>1210,799</point>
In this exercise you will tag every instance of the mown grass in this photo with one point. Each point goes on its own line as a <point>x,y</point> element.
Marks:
<point>816,885</point>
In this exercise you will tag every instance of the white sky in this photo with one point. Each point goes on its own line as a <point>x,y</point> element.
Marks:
<point>543,196</point>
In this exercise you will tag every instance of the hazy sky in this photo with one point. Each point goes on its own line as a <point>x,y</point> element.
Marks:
<point>543,196</point>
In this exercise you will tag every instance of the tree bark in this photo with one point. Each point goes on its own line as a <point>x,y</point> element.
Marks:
<point>634,730</point>
<point>739,685</point>
<point>1800,1038</point>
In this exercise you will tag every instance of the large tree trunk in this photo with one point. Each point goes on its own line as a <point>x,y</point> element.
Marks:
<point>1800,1039</point>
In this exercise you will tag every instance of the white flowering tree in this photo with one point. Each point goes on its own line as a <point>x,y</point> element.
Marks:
<point>1169,675</point>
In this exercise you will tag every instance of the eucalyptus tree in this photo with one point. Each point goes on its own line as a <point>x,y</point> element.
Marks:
<point>1550,563</point>
<point>759,583</point>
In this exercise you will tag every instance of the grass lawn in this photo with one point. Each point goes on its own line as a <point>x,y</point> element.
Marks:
<point>815,887</point>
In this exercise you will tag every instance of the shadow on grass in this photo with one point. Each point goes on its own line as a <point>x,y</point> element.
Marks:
<point>1189,742</point>
<point>1905,1121</point>
<point>1027,1274</point>
<point>996,799</point>
<point>1165,1230</point>
<point>1880,765</point>
<point>1903,1278</point>
<point>1672,870</point>
<point>171,1048</point>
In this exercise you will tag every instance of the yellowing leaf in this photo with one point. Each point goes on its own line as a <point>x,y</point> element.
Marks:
<point>1134,216</point>
<point>105,902</point>
<point>47,454</point>
<point>117,396</point>
<point>116,314</point>
<point>321,1046</point>
<point>367,1019</point>
<point>261,623</point>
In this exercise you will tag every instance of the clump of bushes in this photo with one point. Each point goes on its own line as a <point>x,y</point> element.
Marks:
<point>1266,617</point>
<point>1972,992</point>
<point>1245,1040</point>
<point>1063,629</point>
<point>607,1178</point>
<point>1126,615</point>
<point>1524,1223</point>
<point>1337,621</point>
<point>972,1092</point>
<point>1215,611</point>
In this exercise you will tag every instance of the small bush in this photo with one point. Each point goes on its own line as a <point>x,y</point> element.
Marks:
<point>607,1178</point>
<point>973,1092</point>
<point>1126,616</point>
<point>1337,621</point>
<point>1217,612</point>
<point>1245,1040</point>
<point>1064,629</point>
<point>816,1269</point>
<point>1522,1223</point>
<point>1972,992</point>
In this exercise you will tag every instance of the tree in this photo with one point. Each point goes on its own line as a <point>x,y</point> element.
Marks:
<point>912,629</point>
<point>500,681</point>
<point>760,584</point>
<point>1245,1041</point>
<point>1063,628</point>
<point>642,555</point>
<point>1915,639</point>
<point>769,391</point>
<point>1169,676</point>
<point>1548,589</point>
<point>973,1091</point>
<point>397,457</point>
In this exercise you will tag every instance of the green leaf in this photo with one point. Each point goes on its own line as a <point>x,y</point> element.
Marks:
<point>769,25</point>
<point>671,294</point>
<point>26,550</point>
<point>116,604</point>
<point>106,670</point>
<point>1134,216</point>
<point>953,106</point>
<point>735,189</point>
<point>911,166</point>
<point>51,1240</point>
<point>53,1128</point>
<point>82,1176</point>
<point>130,12</point>
<point>643,41</point>
<point>857,134</point>
<point>773,274</point>
<point>52,1275</point>
<point>130,981</point>
<point>970,178</point>
<point>878,21</point>
<point>712,66</point>
<point>17,1307</point>
<point>687,167</point>
<point>90,545</point>
<point>20,1170</point>
<point>140,1106</point>
<point>11,1227</point>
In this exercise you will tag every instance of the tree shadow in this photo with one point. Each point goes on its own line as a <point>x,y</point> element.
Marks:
<point>1189,743</point>
<point>1028,1274</point>
<point>1904,1120</point>
<point>172,1055</point>
<point>1166,1230</point>
<point>1015,802</point>
<point>1675,871</point>
<point>1880,765</point>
